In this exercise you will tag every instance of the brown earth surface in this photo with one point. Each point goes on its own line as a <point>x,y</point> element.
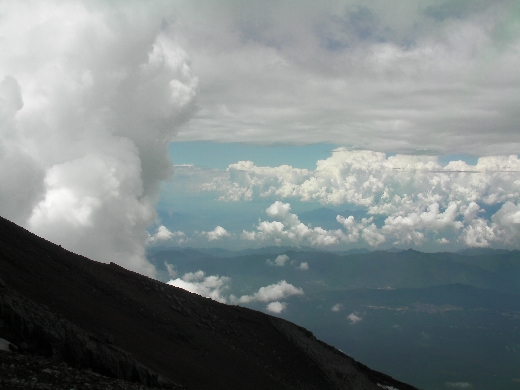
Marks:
<point>184,338</point>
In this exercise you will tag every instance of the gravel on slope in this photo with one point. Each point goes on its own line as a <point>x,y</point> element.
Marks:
<point>23,371</point>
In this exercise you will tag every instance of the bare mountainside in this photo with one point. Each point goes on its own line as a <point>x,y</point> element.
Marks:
<point>119,323</point>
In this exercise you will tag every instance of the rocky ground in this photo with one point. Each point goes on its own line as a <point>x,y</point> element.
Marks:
<point>70,309</point>
<point>23,371</point>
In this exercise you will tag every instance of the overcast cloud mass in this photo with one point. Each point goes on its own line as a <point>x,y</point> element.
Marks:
<point>92,93</point>
<point>399,76</point>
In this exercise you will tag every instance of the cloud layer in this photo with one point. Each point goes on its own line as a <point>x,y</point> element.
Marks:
<point>420,199</point>
<point>287,228</point>
<point>394,76</point>
<point>91,93</point>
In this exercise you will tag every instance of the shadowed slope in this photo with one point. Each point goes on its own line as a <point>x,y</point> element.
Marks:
<point>190,340</point>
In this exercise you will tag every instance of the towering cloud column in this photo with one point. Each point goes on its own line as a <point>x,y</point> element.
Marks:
<point>90,96</point>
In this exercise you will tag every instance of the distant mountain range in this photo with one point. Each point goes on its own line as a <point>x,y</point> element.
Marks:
<point>435,320</point>
<point>105,318</point>
<point>492,270</point>
<point>268,250</point>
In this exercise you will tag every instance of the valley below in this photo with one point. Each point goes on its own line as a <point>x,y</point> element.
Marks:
<point>434,320</point>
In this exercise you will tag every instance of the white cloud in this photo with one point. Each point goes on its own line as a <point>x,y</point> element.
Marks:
<point>163,234</point>
<point>216,234</point>
<point>354,319</point>
<point>276,307</point>
<point>291,230</point>
<point>507,222</point>
<point>247,180</point>
<point>170,268</point>
<point>303,266</point>
<point>337,307</point>
<point>503,228</point>
<point>423,200</point>
<point>208,286</point>
<point>279,210</point>
<point>90,96</point>
<point>383,184</point>
<point>411,228</point>
<point>471,211</point>
<point>215,286</point>
<point>279,261</point>
<point>273,292</point>
<point>478,234</point>
<point>365,230</point>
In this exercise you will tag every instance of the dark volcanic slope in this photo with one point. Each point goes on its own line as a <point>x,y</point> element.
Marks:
<point>191,340</point>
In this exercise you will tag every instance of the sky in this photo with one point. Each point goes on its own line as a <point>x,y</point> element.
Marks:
<point>330,124</point>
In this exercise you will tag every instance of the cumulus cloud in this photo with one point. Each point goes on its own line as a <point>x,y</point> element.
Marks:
<point>479,234</point>
<point>245,181</point>
<point>337,307</point>
<point>382,183</point>
<point>163,234</point>
<point>90,95</point>
<point>506,222</point>
<point>273,292</point>
<point>303,266</point>
<point>215,287</point>
<point>365,229</point>
<point>288,228</point>
<point>216,234</point>
<point>208,286</point>
<point>276,307</point>
<point>354,319</point>
<point>421,199</point>
<point>279,261</point>
<point>411,228</point>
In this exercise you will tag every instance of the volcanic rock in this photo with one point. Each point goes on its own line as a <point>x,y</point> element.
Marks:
<point>104,318</point>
